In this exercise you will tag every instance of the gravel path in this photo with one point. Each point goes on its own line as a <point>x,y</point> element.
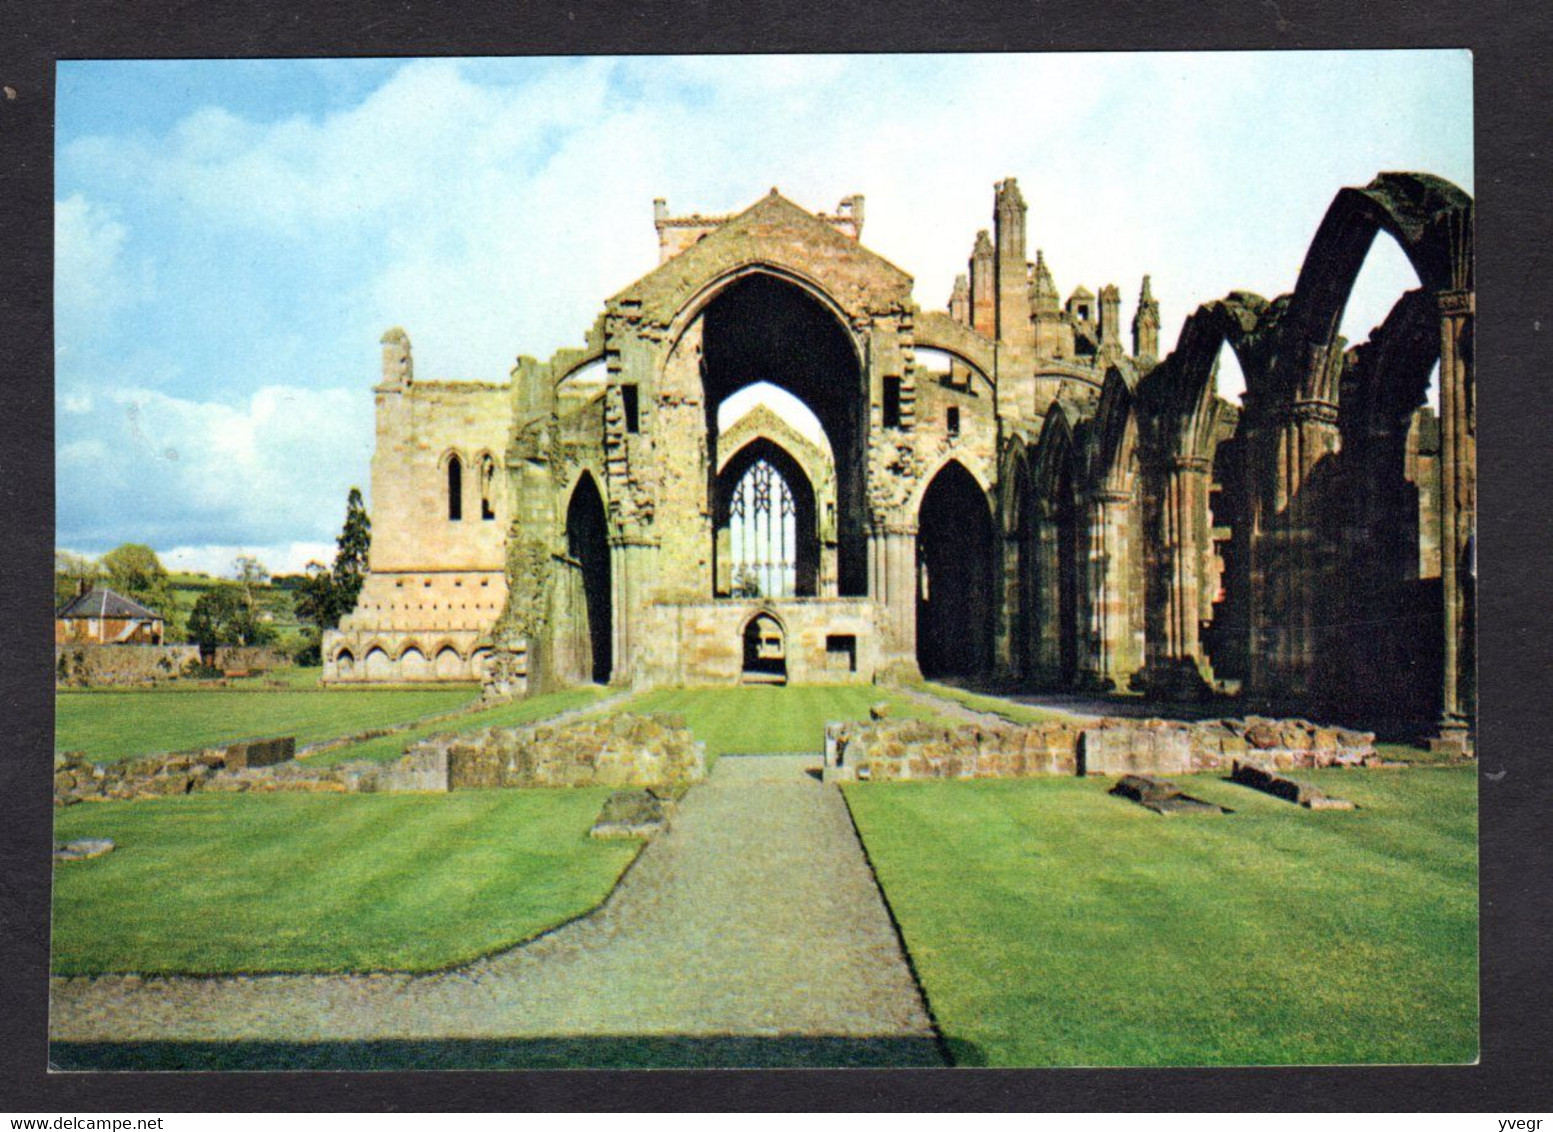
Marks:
<point>754,915</point>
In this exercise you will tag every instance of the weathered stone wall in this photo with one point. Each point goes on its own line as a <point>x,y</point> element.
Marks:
<point>884,750</point>
<point>703,642</point>
<point>250,659</point>
<point>78,779</point>
<point>436,583</point>
<point>102,665</point>
<point>620,750</point>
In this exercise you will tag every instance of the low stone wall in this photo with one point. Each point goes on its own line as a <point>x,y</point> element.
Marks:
<point>255,658</point>
<point>883,749</point>
<point>95,666</point>
<point>617,750</point>
<point>78,779</point>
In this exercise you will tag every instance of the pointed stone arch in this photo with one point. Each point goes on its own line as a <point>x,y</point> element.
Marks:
<point>955,595</point>
<point>586,654</point>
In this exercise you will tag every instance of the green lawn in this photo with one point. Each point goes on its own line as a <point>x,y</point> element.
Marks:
<point>764,718</point>
<point>288,882</point>
<point>114,725</point>
<point>506,715</point>
<point>1008,709</point>
<point>1054,925</point>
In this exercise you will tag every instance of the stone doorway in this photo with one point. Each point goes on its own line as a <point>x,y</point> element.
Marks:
<point>765,651</point>
<point>954,576</point>
<point>587,545</point>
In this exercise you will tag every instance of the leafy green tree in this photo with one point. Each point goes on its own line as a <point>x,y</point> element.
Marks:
<point>221,616</point>
<point>135,571</point>
<point>323,596</point>
<point>218,618</point>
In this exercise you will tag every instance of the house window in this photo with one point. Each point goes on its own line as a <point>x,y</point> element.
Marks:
<point>455,488</point>
<point>953,421</point>
<point>630,401</point>
<point>892,402</point>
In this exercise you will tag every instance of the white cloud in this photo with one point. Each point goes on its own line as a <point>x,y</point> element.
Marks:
<point>169,470</point>
<point>92,280</point>
<point>278,558</point>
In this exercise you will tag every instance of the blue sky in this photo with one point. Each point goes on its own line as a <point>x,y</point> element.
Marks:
<point>232,237</point>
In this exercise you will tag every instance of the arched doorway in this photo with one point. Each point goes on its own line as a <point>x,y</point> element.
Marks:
<point>587,544</point>
<point>954,576</point>
<point>765,651</point>
<point>768,534</point>
<point>763,328</point>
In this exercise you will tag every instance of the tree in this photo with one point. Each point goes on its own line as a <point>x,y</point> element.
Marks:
<point>350,561</point>
<point>316,598</point>
<point>217,618</point>
<point>221,616</point>
<point>323,596</point>
<point>250,573</point>
<point>135,571</point>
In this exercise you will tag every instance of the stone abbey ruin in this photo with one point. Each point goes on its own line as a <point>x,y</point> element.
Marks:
<point>1004,489</point>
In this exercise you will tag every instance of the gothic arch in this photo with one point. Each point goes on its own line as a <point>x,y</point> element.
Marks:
<point>955,580</point>
<point>587,547</point>
<point>1114,453</point>
<point>972,468</point>
<point>1431,220</point>
<point>758,326</point>
<point>1180,391</point>
<point>803,490</point>
<point>719,284</point>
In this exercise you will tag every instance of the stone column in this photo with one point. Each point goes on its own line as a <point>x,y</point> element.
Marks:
<point>1177,661</point>
<point>1105,665</point>
<point>892,559</point>
<point>1309,581</point>
<point>1458,513</point>
<point>1291,559</point>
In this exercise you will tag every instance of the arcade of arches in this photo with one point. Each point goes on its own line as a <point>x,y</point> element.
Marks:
<point>1002,489</point>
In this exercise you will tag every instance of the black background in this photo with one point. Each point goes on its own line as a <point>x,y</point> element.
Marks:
<point>1513,181</point>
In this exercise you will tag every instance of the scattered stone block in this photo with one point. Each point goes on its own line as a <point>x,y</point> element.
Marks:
<point>83,850</point>
<point>1161,796</point>
<point>260,752</point>
<point>631,813</point>
<point>1300,793</point>
<point>880,710</point>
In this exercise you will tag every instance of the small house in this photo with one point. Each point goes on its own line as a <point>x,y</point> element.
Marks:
<point>102,617</point>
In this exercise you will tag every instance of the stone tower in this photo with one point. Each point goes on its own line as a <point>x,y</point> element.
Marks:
<point>1008,225</point>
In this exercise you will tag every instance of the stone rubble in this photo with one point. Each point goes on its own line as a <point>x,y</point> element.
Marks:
<point>883,749</point>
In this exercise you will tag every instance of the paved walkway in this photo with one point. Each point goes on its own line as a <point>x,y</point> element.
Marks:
<point>754,916</point>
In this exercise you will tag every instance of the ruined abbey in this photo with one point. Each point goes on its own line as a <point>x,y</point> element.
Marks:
<point>1018,488</point>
